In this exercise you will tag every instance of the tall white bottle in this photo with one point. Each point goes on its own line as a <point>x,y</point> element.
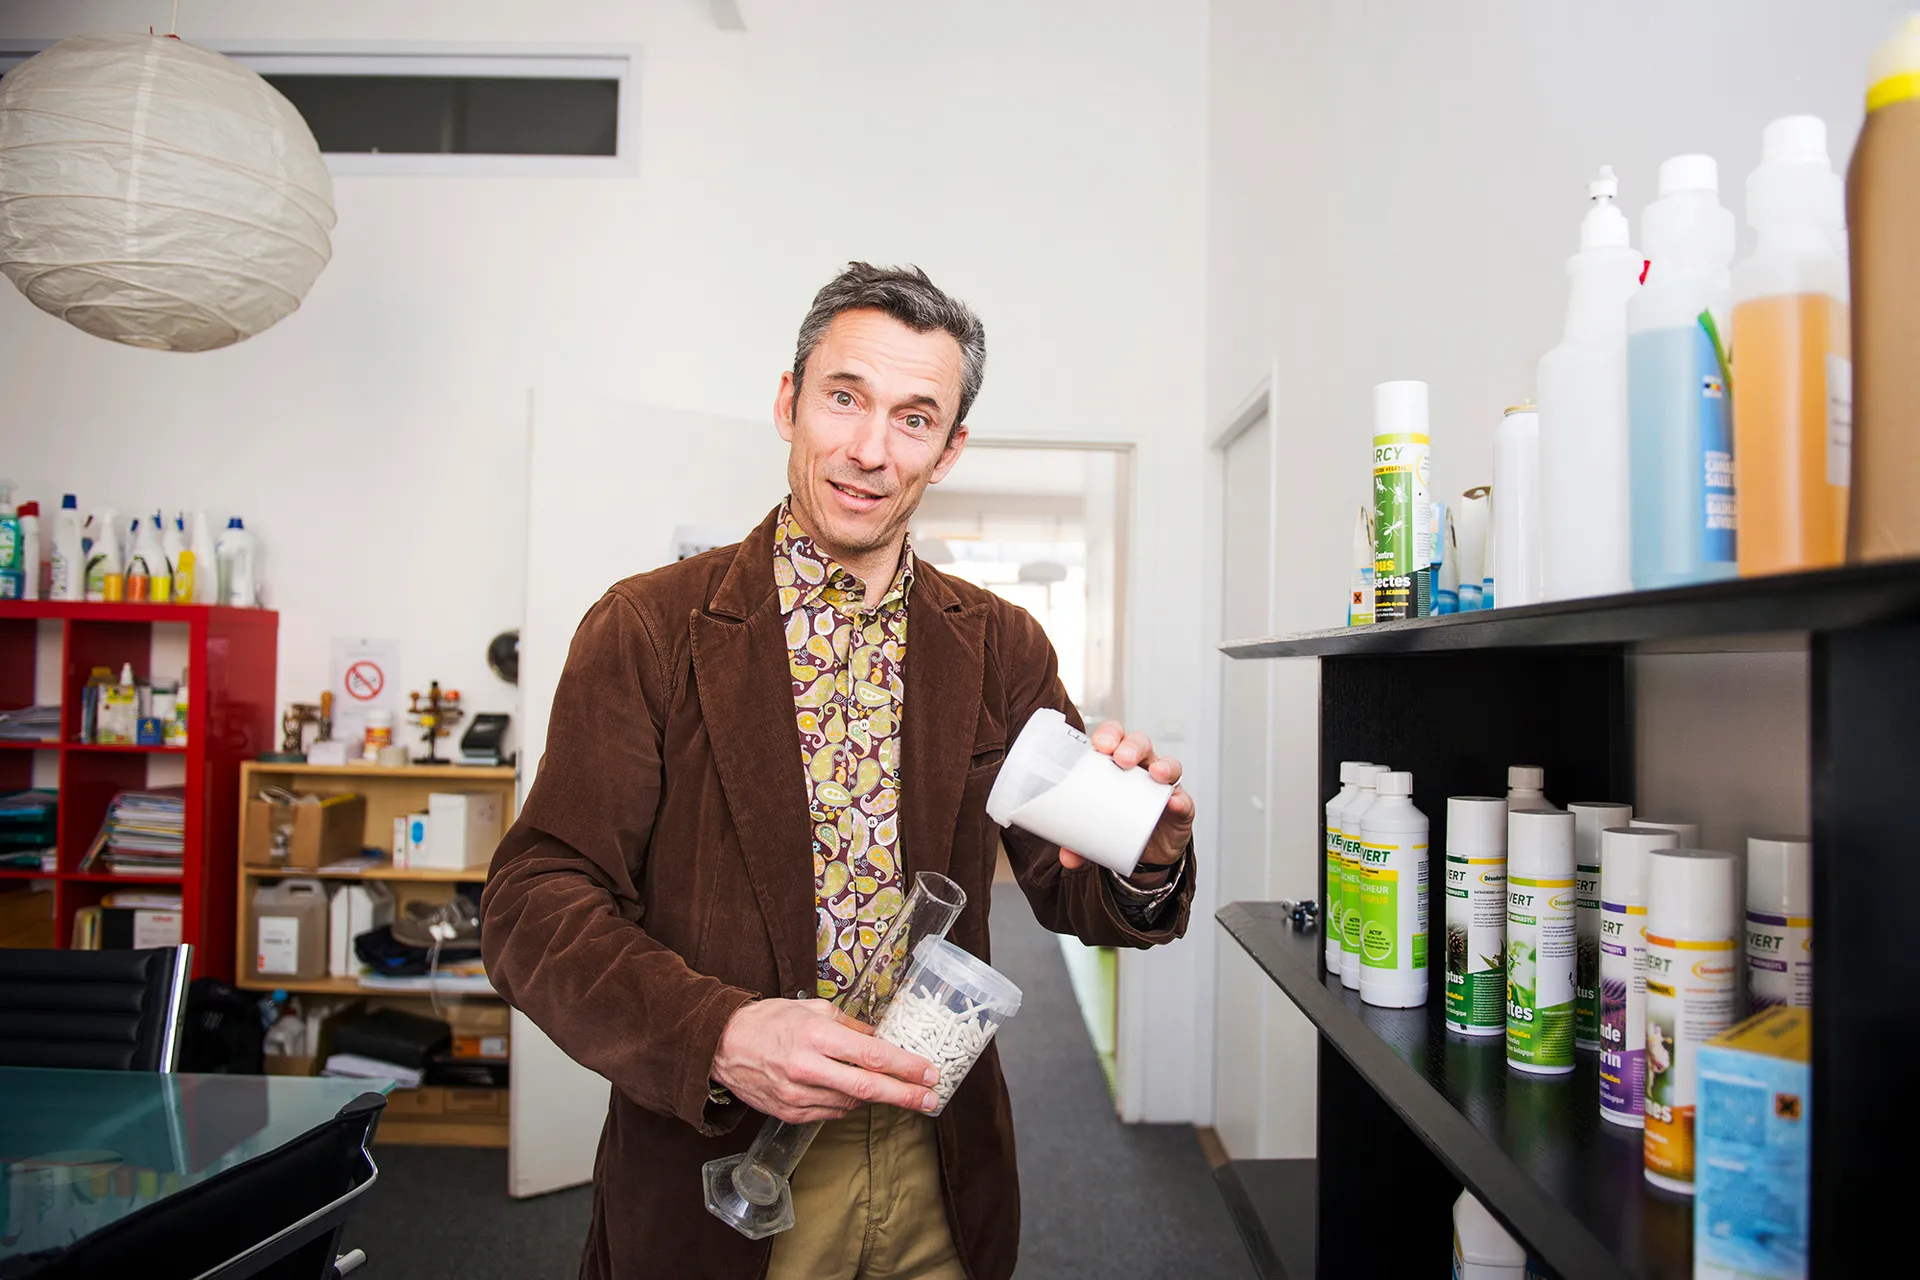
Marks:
<point>69,578</point>
<point>1516,505</point>
<point>206,566</point>
<point>1583,413</point>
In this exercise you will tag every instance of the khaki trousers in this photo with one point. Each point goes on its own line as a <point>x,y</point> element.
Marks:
<point>867,1204</point>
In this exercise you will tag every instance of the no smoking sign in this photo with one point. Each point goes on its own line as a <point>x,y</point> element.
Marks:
<point>364,681</point>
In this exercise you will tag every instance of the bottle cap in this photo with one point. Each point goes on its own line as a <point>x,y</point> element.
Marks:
<point>69,503</point>
<point>1623,862</point>
<point>233,522</point>
<point>1364,775</point>
<point>1689,173</point>
<point>1540,844</point>
<point>1349,771</point>
<point>1795,179</point>
<point>1690,893</point>
<point>1605,226</point>
<point>1795,140</point>
<point>1394,784</point>
<point>1897,57</point>
<point>30,509</point>
<point>1590,818</point>
<point>1528,777</point>
<point>1399,407</point>
<point>1686,834</point>
<point>1780,875</point>
<point>126,673</point>
<point>1525,406</point>
<point>1476,826</point>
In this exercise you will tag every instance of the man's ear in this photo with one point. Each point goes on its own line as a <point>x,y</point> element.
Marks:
<point>956,445</point>
<point>783,406</point>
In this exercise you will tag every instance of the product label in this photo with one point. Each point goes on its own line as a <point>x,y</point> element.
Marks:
<point>1350,896</point>
<point>1779,961</point>
<point>1336,893</point>
<point>1360,607</point>
<point>1586,960</point>
<point>1393,931</point>
<point>1540,973</point>
<point>9,545</point>
<point>1476,942</point>
<point>1623,1012</point>
<point>1716,455</point>
<point>1839,421</point>
<point>279,945</point>
<point>1401,515</point>
<point>1690,994</point>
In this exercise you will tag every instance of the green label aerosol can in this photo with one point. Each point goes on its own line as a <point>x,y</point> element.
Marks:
<point>1402,511</point>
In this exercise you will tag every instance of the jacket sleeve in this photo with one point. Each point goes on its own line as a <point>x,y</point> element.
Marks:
<point>561,930</point>
<point>1080,902</point>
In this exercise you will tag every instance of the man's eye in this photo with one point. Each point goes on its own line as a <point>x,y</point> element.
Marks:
<point>916,422</point>
<point>843,398</point>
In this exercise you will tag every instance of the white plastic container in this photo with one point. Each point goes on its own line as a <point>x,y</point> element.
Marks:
<point>1360,588</point>
<point>1691,996</point>
<point>29,551</point>
<point>173,545</point>
<point>290,930</point>
<point>1525,783</point>
<point>69,577</point>
<point>1393,897</point>
<point>1779,940</point>
<point>1482,1249</point>
<point>1056,786</point>
<point>1583,413</point>
<point>236,552</point>
<point>1590,818</point>
<point>1623,971</point>
<point>206,561</point>
<point>947,1009</point>
<point>1487,600</point>
<point>1516,506</point>
<point>150,562</point>
<point>1540,898</point>
<point>105,559</point>
<point>1680,421</point>
<point>1476,923</point>
<point>1472,539</point>
<point>1351,820</point>
<point>1336,855</point>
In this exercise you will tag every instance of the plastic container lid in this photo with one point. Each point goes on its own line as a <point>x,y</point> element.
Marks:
<point>1367,774</point>
<point>1795,178</point>
<point>1780,875</point>
<point>233,522</point>
<point>1350,771</point>
<point>966,973</point>
<point>1526,777</point>
<point>1687,833</point>
<point>29,509</point>
<point>1394,783</point>
<point>1623,862</point>
<point>70,503</point>
<point>1689,173</point>
<point>1540,844</point>
<point>1482,1240</point>
<point>1690,893</point>
<point>1590,818</point>
<point>1476,826</point>
<point>1399,407</point>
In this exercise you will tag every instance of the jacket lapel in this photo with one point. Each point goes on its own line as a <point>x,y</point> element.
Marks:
<point>946,657</point>
<point>746,701</point>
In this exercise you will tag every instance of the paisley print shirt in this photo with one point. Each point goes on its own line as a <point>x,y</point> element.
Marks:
<point>848,664</point>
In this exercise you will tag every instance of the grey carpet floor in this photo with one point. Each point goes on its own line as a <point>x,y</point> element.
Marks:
<point>1098,1198</point>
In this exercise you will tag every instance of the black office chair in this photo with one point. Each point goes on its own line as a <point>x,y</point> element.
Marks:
<point>100,1010</point>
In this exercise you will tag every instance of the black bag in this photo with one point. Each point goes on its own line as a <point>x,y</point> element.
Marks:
<point>222,1033</point>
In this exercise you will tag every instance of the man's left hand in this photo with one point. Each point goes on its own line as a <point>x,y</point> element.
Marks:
<point>1171,835</point>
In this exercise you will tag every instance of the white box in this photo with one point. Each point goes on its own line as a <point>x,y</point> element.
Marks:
<point>465,827</point>
<point>400,842</point>
<point>354,910</point>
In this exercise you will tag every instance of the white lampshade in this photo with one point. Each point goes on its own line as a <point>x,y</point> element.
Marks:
<point>158,194</point>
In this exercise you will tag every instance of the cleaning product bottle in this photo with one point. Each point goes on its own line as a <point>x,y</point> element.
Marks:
<point>106,569</point>
<point>1793,398</point>
<point>1360,599</point>
<point>142,552</point>
<point>1476,915</point>
<point>1583,413</point>
<point>150,549</point>
<point>1681,430</point>
<point>1403,551</point>
<point>1516,504</point>
<point>1352,821</point>
<point>30,550</point>
<point>1883,218</point>
<point>1779,922</point>
<point>1471,541</point>
<point>1488,576</point>
<point>12,553</point>
<point>1349,788</point>
<point>1590,818</point>
<point>1691,990</point>
<point>1393,897</point>
<point>173,545</point>
<point>1623,971</point>
<point>1525,787</point>
<point>206,562</point>
<point>235,553</point>
<point>1540,941</point>
<point>68,580</point>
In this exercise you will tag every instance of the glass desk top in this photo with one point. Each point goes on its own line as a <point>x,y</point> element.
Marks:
<point>82,1149</point>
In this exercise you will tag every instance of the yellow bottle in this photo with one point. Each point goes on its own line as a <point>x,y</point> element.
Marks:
<point>1792,366</point>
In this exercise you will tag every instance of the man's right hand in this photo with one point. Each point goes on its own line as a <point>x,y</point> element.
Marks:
<point>799,1061</point>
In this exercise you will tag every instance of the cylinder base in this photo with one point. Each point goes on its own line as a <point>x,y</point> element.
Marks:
<point>727,1202</point>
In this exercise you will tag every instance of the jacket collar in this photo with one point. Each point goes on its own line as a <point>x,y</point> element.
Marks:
<point>748,581</point>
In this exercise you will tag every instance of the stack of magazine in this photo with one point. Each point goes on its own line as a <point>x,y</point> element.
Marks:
<point>27,822</point>
<point>144,834</point>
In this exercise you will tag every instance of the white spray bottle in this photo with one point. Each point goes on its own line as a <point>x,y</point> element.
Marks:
<point>206,565</point>
<point>105,565</point>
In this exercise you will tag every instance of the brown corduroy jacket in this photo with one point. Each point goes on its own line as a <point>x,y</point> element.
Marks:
<point>661,875</point>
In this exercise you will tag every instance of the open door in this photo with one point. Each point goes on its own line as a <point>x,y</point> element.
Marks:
<point>608,485</point>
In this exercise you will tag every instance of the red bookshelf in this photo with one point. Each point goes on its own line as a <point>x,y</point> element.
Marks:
<point>230,669</point>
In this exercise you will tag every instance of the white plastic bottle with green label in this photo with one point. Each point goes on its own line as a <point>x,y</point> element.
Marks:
<point>1540,938</point>
<point>1779,922</point>
<point>1476,915</point>
<point>1336,902</point>
<point>1623,971</point>
<point>1590,818</point>
<point>1393,897</point>
<point>1350,819</point>
<point>1691,996</point>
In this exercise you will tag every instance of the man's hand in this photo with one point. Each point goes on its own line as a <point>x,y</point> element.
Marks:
<point>1174,831</point>
<point>800,1061</point>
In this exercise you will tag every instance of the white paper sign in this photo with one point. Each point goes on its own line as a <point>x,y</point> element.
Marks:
<point>279,945</point>
<point>366,674</point>
<point>156,929</point>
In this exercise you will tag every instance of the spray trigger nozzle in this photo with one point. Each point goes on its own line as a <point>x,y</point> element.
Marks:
<point>1605,186</point>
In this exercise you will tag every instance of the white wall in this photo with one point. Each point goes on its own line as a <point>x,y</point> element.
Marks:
<point>1043,162</point>
<point>1393,190</point>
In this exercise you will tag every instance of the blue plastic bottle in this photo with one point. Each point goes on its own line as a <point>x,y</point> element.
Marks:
<point>1679,401</point>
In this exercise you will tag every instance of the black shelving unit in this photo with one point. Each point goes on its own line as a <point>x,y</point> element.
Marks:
<point>1408,1113</point>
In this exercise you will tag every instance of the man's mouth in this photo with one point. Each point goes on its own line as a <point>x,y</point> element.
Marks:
<point>854,495</point>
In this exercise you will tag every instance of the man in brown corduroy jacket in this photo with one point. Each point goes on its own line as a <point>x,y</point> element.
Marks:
<point>750,754</point>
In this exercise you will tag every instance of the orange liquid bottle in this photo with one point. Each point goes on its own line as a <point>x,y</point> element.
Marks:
<point>1792,368</point>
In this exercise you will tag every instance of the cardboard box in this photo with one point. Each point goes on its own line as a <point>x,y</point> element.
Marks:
<point>1753,1167</point>
<point>326,829</point>
<point>464,829</point>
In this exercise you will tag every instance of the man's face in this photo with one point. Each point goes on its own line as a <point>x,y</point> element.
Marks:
<point>871,428</point>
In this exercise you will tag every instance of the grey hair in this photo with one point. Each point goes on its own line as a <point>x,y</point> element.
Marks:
<point>906,294</point>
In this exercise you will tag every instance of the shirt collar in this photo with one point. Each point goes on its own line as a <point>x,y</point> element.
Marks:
<point>807,575</point>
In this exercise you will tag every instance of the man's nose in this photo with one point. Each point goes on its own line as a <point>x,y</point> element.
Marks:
<point>868,448</point>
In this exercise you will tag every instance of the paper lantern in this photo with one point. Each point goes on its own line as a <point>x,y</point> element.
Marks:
<point>158,194</point>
